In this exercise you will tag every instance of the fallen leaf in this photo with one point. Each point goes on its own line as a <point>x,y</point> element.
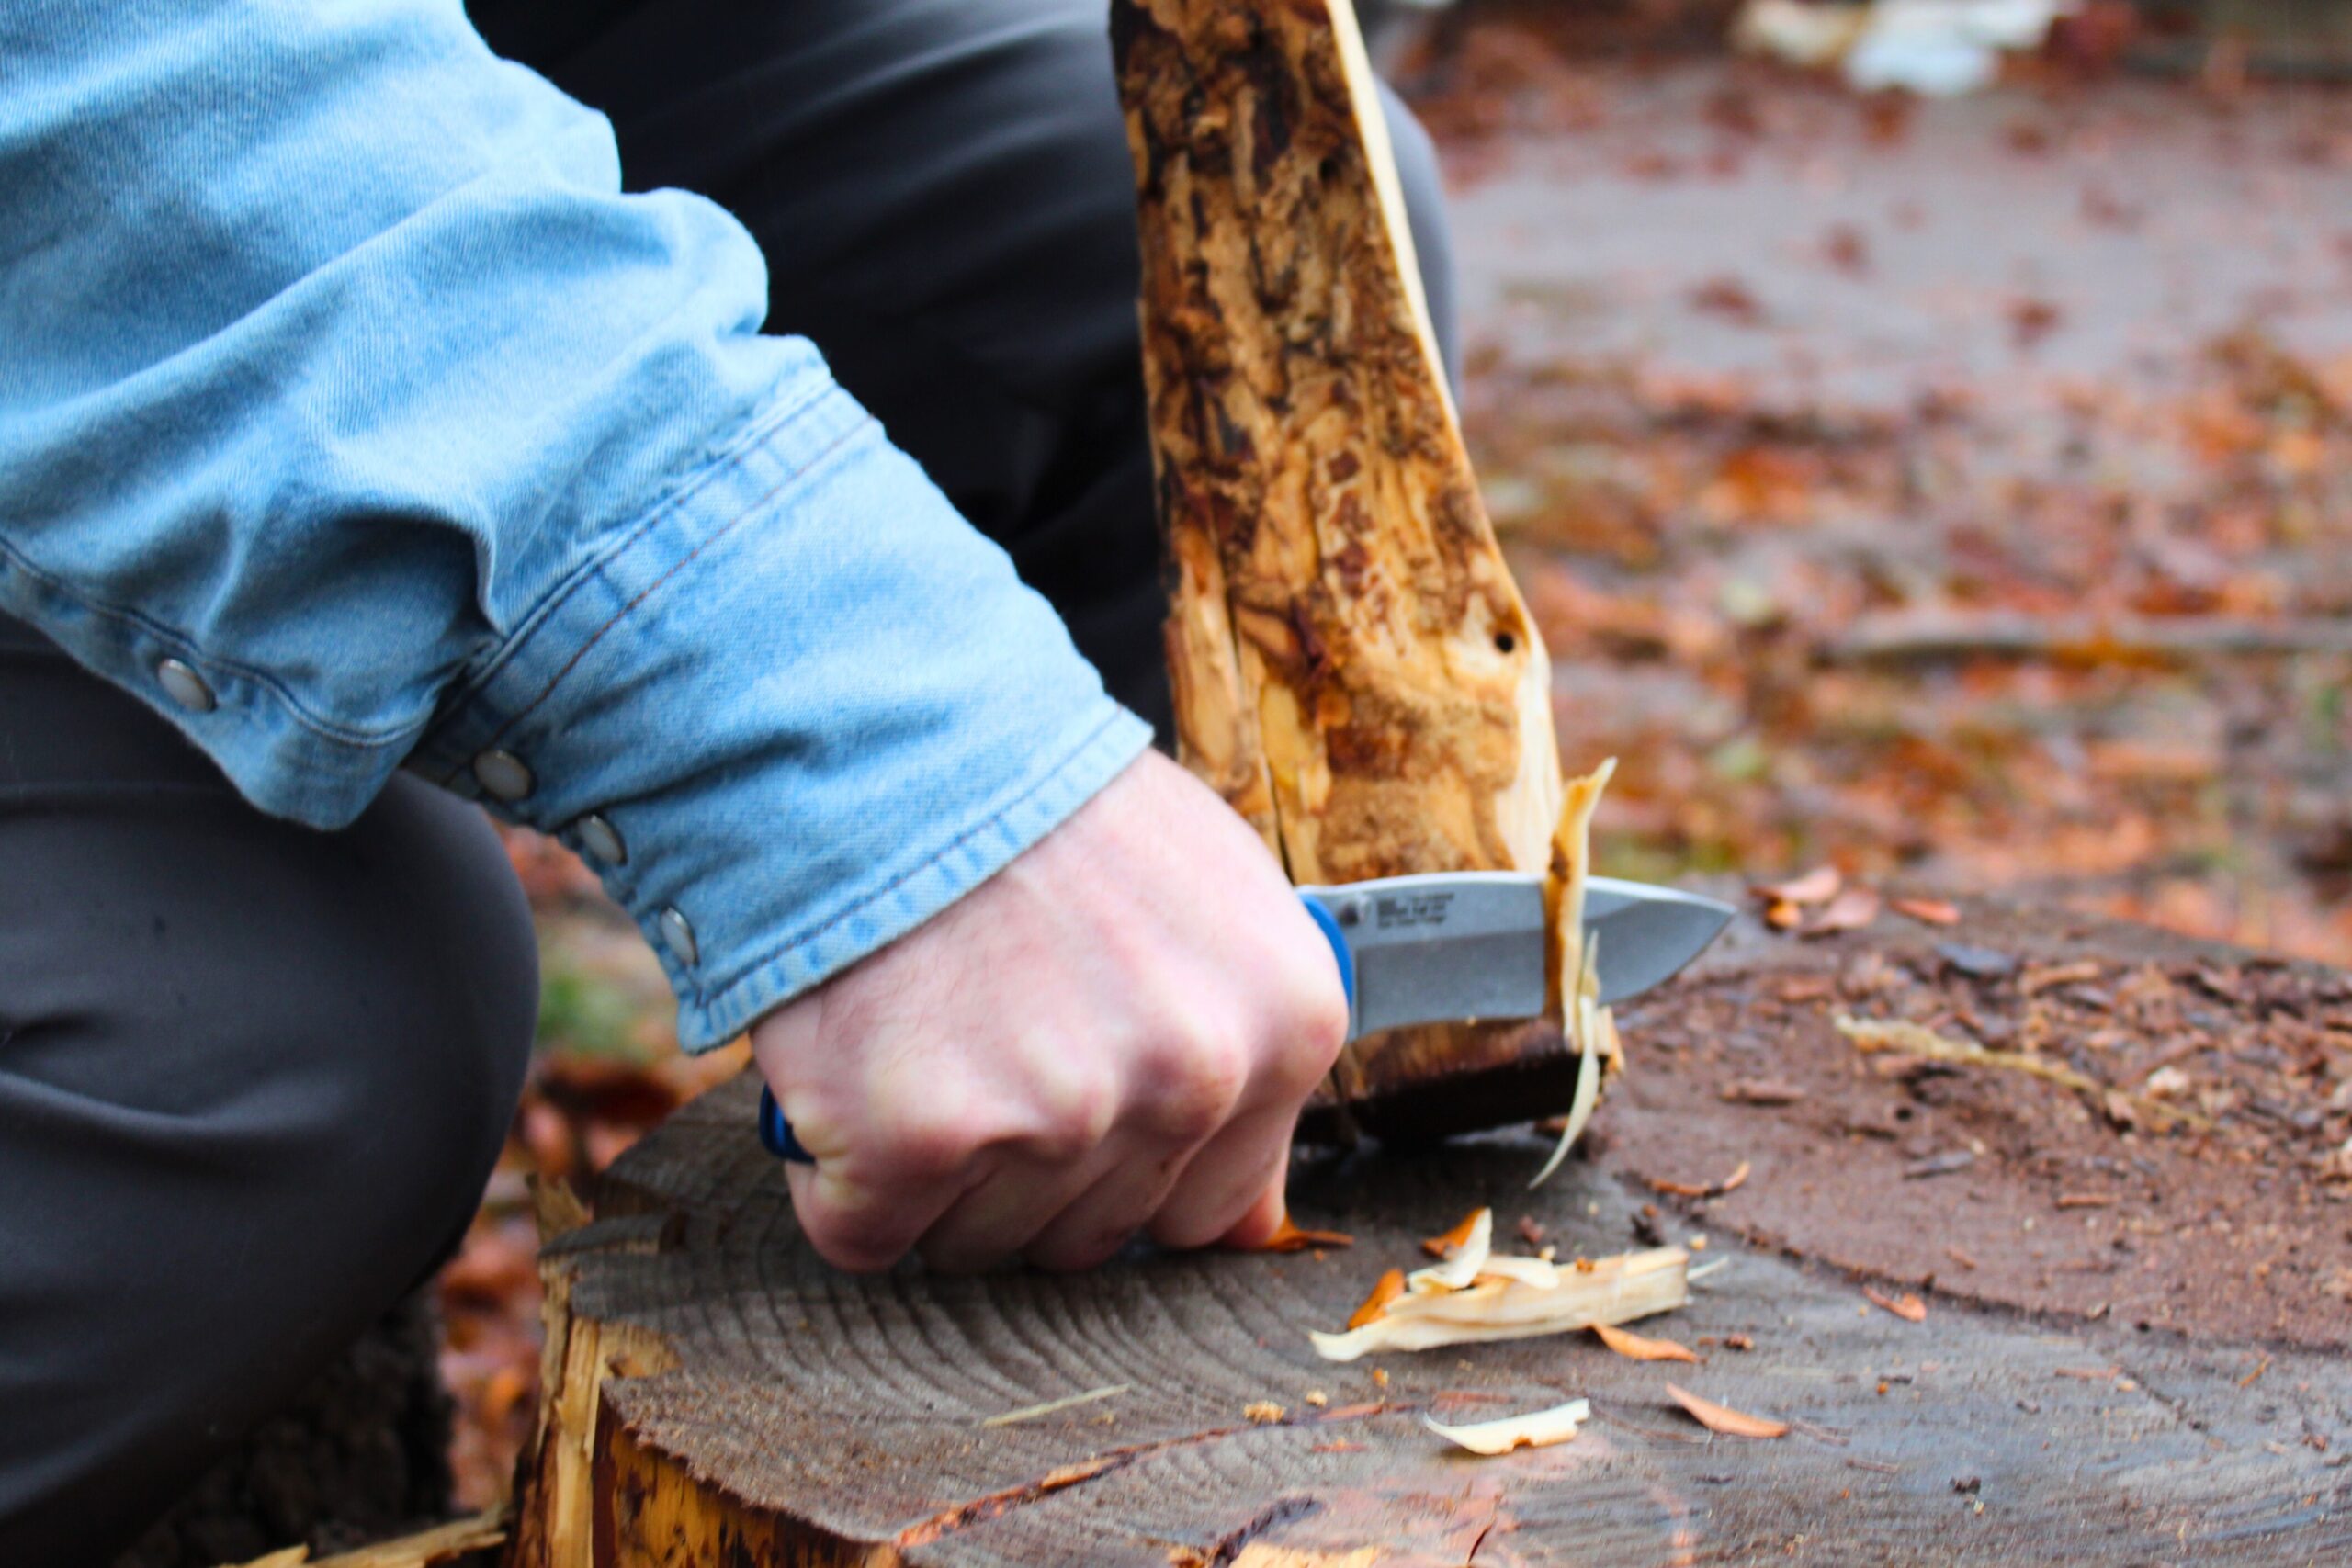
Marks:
<point>1850,911</point>
<point>1288,1237</point>
<point>1927,911</point>
<point>1760,1091</point>
<point>1815,887</point>
<point>1724,1419</point>
<point>1637,1348</point>
<point>1907,1307</point>
<point>1712,1189</point>
<point>1391,1286</point>
<point>2042,977</point>
<point>2087,1200</point>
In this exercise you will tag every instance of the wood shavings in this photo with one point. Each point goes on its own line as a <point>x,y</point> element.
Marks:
<point>1731,1183</point>
<point>1056,1406</point>
<point>1616,1290</point>
<point>1463,1260</point>
<point>1288,1237</point>
<point>1638,1348</point>
<point>1391,1286</point>
<point>1724,1419</point>
<point>1575,994</point>
<point>1906,1306</point>
<point>1916,1039</point>
<point>1453,1241</point>
<point>1536,1429</point>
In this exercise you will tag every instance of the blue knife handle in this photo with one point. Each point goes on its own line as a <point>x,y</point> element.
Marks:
<point>776,1133</point>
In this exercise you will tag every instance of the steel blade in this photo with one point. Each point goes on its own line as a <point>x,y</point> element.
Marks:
<point>1446,948</point>
<point>1459,947</point>
<point>1646,934</point>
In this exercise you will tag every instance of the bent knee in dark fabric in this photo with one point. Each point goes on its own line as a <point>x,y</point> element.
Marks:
<point>252,1080</point>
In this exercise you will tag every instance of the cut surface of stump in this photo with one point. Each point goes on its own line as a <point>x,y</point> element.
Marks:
<point>718,1393</point>
<point>1353,667</point>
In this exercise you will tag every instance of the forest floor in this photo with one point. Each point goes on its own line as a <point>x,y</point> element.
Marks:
<point>1955,493</point>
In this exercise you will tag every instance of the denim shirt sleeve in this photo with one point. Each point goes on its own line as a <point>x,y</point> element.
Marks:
<point>351,416</point>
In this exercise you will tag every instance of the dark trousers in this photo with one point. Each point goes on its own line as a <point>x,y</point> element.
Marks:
<point>251,1077</point>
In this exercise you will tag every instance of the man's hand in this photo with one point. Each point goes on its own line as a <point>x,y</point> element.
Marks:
<point>1115,1032</point>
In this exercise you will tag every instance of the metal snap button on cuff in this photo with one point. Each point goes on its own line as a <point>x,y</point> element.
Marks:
<point>678,935</point>
<point>604,840</point>
<point>185,686</point>
<point>503,775</point>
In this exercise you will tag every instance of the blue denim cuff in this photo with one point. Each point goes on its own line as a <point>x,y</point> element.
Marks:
<point>788,717</point>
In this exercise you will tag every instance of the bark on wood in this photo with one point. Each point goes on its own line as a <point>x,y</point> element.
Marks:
<point>719,1394</point>
<point>1353,667</point>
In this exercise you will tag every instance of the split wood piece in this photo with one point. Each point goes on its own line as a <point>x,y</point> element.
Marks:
<point>1353,667</point>
<point>460,1543</point>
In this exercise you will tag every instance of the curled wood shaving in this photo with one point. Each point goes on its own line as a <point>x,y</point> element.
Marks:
<point>1464,1262</point>
<point>1391,1286</point>
<point>1636,1347</point>
<point>1731,1183</point>
<point>1724,1419</point>
<point>1575,996</point>
<point>1616,1290</point>
<point>1288,1237</point>
<point>1906,1306</point>
<point>1916,1040</point>
<point>1540,1272</point>
<point>1536,1429</point>
<point>1447,1246</point>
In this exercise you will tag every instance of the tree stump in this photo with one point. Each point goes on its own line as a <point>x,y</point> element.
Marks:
<point>2152,1370</point>
<point>1352,665</point>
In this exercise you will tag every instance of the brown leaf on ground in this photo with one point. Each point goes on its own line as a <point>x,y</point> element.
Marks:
<point>1761,1091</point>
<point>1709,1190</point>
<point>1815,887</point>
<point>1906,1306</point>
<point>1724,1419</point>
<point>1927,911</point>
<point>1639,1347</point>
<point>1850,911</point>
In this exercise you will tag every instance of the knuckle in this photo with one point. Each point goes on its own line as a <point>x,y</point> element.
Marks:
<point>1199,1088</point>
<point>1073,1116</point>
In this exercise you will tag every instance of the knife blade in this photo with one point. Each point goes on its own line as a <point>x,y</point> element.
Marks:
<point>1457,947</point>
<point>1462,946</point>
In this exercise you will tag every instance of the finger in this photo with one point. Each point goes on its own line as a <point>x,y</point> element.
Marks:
<point>995,1219</point>
<point>1099,1221</point>
<point>1263,1220</point>
<point>865,1228</point>
<point>1220,1184</point>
